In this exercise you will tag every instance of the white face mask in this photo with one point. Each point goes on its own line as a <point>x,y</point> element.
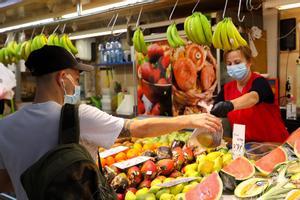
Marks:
<point>74,98</point>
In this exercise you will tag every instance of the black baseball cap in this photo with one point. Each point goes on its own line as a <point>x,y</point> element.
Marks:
<point>50,59</point>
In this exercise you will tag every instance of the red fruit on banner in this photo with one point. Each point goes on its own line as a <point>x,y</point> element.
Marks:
<point>165,61</point>
<point>147,69</point>
<point>162,81</point>
<point>141,107</point>
<point>140,92</point>
<point>155,109</point>
<point>149,169</point>
<point>155,51</point>
<point>155,75</point>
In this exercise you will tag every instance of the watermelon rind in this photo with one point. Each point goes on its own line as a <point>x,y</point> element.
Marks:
<point>261,185</point>
<point>190,195</point>
<point>293,195</point>
<point>261,163</point>
<point>235,163</point>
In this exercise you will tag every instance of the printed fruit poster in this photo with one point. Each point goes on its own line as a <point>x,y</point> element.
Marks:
<point>175,81</point>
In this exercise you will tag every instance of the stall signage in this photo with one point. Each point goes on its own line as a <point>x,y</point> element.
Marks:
<point>112,151</point>
<point>177,181</point>
<point>131,162</point>
<point>238,140</point>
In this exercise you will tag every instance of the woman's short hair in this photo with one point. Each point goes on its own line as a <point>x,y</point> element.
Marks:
<point>245,51</point>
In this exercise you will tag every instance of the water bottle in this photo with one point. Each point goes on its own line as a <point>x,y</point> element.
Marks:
<point>101,53</point>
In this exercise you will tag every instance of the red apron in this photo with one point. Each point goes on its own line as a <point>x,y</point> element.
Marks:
<point>263,121</point>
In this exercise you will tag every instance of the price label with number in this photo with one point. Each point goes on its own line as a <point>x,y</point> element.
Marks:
<point>131,162</point>
<point>238,140</point>
<point>112,151</point>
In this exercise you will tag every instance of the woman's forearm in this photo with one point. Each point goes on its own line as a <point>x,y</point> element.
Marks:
<point>246,101</point>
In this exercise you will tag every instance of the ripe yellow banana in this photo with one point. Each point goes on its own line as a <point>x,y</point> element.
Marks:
<point>238,37</point>
<point>224,37</point>
<point>216,38</point>
<point>63,42</point>
<point>170,39</point>
<point>51,39</point>
<point>27,49</point>
<point>206,28</point>
<point>56,40</point>
<point>231,37</point>
<point>199,32</point>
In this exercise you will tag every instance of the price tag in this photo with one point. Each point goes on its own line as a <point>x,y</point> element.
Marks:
<point>112,151</point>
<point>131,162</point>
<point>238,140</point>
<point>177,181</point>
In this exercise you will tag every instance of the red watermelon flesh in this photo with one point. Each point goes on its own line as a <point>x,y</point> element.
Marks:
<point>293,137</point>
<point>209,189</point>
<point>297,148</point>
<point>267,163</point>
<point>240,168</point>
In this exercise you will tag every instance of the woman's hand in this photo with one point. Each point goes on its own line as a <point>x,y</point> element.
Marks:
<point>205,120</point>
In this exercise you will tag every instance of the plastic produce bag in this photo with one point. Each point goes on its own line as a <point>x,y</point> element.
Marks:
<point>7,82</point>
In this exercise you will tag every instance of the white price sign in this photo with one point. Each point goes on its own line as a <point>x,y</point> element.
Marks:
<point>238,140</point>
<point>112,151</point>
<point>131,162</point>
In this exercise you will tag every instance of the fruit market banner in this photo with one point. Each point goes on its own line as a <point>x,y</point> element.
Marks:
<point>172,81</point>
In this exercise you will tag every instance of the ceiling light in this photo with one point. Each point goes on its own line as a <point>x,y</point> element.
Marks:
<point>288,6</point>
<point>34,23</point>
<point>95,34</point>
<point>106,8</point>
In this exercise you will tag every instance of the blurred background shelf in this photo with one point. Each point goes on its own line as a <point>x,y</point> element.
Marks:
<point>112,65</point>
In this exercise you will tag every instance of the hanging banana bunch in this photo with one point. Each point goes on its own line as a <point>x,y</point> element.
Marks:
<point>226,36</point>
<point>139,41</point>
<point>198,29</point>
<point>173,37</point>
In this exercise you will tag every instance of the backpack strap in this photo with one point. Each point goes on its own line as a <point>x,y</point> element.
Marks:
<point>69,129</point>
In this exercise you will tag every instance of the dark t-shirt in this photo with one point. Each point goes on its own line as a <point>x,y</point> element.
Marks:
<point>259,85</point>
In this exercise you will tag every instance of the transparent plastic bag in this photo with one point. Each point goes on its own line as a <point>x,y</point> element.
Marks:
<point>7,82</point>
<point>207,138</point>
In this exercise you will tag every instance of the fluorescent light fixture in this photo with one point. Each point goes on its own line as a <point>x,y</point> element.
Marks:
<point>34,23</point>
<point>104,8</point>
<point>95,34</point>
<point>288,6</point>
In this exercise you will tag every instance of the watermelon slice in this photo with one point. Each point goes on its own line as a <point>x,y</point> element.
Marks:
<point>209,189</point>
<point>240,168</point>
<point>297,148</point>
<point>293,137</point>
<point>267,163</point>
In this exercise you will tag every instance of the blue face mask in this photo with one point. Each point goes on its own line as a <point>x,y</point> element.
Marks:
<point>237,72</point>
<point>74,98</point>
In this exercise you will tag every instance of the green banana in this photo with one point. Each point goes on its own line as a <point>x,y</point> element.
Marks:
<point>22,50</point>
<point>1,56</point>
<point>63,43</point>
<point>199,32</point>
<point>170,37</point>
<point>216,38</point>
<point>231,36</point>
<point>224,37</point>
<point>186,25</point>
<point>70,45</point>
<point>51,39</point>
<point>175,36</point>
<point>135,40</point>
<point>43,40</point>
<point>142,42</point>
<point>206,28</point>
<point>56,40</point>
<point>27,49</point>
<point>11,47</point>
<point>192,29</point>
<point>238,37</point>
<point>34,44</point>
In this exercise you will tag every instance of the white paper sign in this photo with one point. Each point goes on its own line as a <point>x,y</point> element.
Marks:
<point>131,162</point>
<point>112,151</point>
<point>238,140</point>
<point>177,181</point>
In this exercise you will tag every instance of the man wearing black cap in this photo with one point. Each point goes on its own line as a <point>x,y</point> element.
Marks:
<point>33,130</point>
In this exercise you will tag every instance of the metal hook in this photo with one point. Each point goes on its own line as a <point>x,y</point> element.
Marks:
<point>108,25</point>
<point>113,25</point>
<point>43,29</point>
<point>138,19</point>
<point>225,8</point>
<point>63,29</point>
<point>255,8</point>
<point>32,33</point>
<point>248,5</point>
<point>56,28</point>
<point>239,12</point>
<point>170,17</point>
<point>195,6</point>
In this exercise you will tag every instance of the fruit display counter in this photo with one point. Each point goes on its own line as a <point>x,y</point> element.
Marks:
<point>167,168</point>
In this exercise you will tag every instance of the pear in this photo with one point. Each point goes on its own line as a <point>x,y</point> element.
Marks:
<point>176,189</point>
<point>142,191</point>
<point>167,196</point>
<point>162,191</point>
<point>180,196</point>
<point>148,196</point>
<point>130,196</point>
<point>191,167</point>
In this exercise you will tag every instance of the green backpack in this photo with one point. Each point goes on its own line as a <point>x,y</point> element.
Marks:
<point>68,171</point>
